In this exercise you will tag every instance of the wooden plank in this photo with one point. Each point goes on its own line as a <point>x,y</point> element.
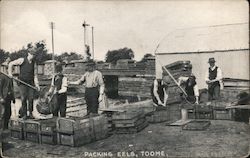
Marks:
<point>238,107</point>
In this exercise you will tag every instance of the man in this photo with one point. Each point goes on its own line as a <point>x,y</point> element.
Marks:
<point>94,87</point>
<point>59,91</point>
<point>159,91</point>
<point>28,75</point>
<point>190,87</point>
<point>6,95</point>
<point>213,79</point>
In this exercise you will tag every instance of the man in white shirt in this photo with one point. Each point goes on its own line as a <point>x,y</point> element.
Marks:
<point>28,75</point>
<point>213,79</point>
<point>94,90</point>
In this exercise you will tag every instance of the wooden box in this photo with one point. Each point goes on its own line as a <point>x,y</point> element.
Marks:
<point>80,137</point>
<point>48,126</point>
<point>32,136</point>
<point>127,115</point>
<point>32,126</point>
<point>131,130</point>
<point>16,134</point>
<point>222,114</point>
<point>49,138</point>
<point>158,116</point>
<point>69,125</point>
<point>100,127</point>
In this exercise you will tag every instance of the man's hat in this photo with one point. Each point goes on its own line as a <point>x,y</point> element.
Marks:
<point>91,63</point>
<point>211,60</point>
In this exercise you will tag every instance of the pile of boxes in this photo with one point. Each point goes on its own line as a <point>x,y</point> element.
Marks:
<point>73,131</point>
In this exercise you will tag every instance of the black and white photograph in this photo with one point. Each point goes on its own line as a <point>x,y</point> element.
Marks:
<point>124,79</point>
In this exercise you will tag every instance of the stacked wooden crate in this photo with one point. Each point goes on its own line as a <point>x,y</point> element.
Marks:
<point>48,131</point>
<point>76,106</point>
<point>177,69</point>
<point>77,131</point>
<point>74,131</point>
<point>16,128</point>
<point>32,131</point>
<point>129,121</point>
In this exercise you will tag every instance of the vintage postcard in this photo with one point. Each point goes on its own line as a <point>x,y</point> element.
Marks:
<point>127,78</point>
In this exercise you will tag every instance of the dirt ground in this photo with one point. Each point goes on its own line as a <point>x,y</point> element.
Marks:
<point>221,139</point>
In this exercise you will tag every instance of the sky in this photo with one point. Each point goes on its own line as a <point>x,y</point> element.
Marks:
<point>139,25</point>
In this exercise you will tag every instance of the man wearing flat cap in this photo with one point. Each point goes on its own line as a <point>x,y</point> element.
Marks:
<point>213,79</point>
<point>94,90</point>
<point>28,75</point>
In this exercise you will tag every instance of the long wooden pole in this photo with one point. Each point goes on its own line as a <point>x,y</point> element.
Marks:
<point>26,84</point>
<point>173,79</point>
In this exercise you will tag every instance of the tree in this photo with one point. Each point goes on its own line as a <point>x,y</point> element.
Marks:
<point>3,55</point>
<point>145,57</point>
<point>114,55</point>
<point>41,53</point>
<point>68,56</point>
<point>39,47</point>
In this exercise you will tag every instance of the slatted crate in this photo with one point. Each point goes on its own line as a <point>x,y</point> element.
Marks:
<point>32,130</point>
<point>16,129</point>
<point>222,113</point>
<point>78,138</point>
<point>161,114</point>
<point>75,131</point>
<point>129,121</point>
<point>100,127</point>
<point>71,124</point>
<point>48,131</point>
<point>204,112</point>
<point>131,130</point>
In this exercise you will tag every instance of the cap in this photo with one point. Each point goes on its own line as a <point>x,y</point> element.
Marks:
<point>211,60</point>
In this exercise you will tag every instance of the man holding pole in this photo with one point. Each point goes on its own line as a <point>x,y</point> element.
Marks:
<point>27,75</point>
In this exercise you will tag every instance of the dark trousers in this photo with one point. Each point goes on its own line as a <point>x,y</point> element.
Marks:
<point>60,104</point>
<point>7,112</point>
<point>27,94</point>
<point>91,97</point>
<point>214,92</point>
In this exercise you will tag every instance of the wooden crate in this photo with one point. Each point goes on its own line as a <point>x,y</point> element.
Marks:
<point>100,127</point>
<point>32,136</point>
<point>16,134</point>
<point>69,125</point>
<point>131,130</point>
<point>203,112</point>
<point>127,115</point>
<point>222,114</point>
<point>158,116</point>
<point>32,126</point>
<point>49,138</point>
<point>48,126</point>
<point>80,137</point>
